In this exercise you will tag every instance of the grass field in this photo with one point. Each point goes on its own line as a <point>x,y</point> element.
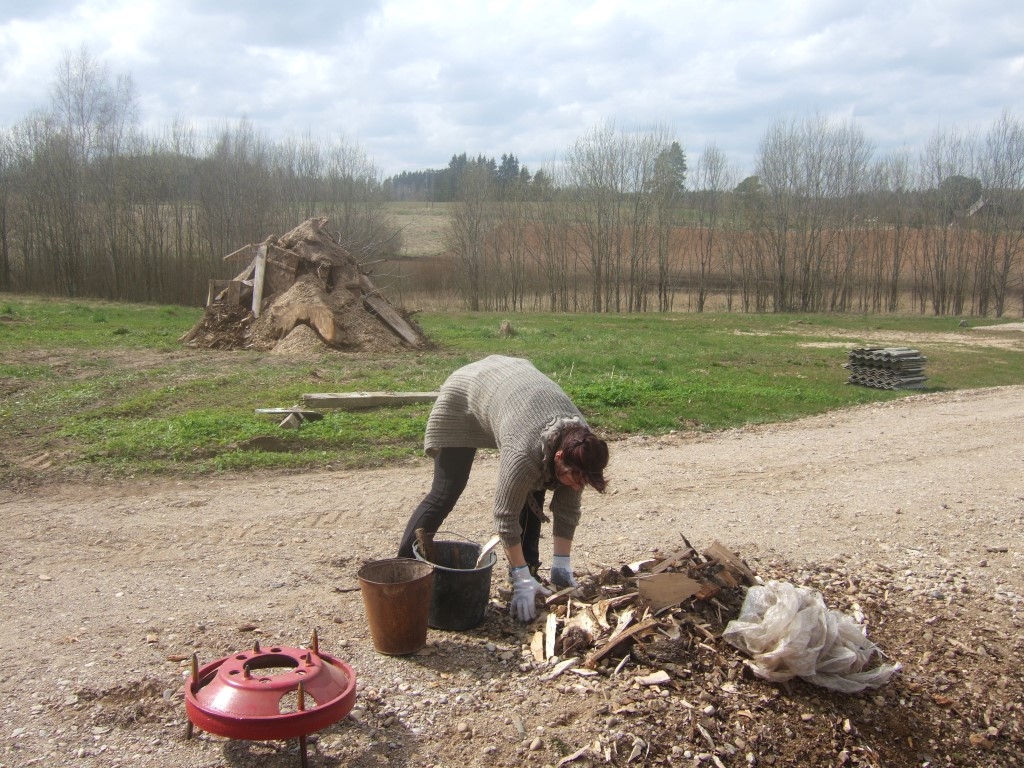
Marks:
<point>422,226</point>
<point>101,388</point>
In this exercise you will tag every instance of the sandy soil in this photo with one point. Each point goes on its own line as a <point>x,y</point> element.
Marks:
<point>911,512</point>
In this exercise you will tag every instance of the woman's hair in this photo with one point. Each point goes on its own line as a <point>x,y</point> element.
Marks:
<point>583,450</point>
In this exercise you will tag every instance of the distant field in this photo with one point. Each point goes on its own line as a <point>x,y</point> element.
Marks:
<point>422,226</point>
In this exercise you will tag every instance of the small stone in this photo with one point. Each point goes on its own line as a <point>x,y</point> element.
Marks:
<point>980,740</point>
<point>806,716</point>
<point>536,744</point>
<point>45,577</point>
<point>462,727</point>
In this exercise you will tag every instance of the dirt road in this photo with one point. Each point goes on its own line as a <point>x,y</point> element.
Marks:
<point>913,510</point>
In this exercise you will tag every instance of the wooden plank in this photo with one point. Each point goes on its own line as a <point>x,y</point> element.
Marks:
<point>387,315</point>
<point>246,273</point>
<point>245,250</point>
<point>352,400</point>
<point>233,295</point>
<point>214,289</point>
<point>257,285</point>
<point>300,412</point>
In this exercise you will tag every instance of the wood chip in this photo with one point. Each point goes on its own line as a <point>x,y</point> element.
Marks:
<point>559,668</point>
<point>574,756</point>
<point>723,556</point>
<point>662,590</point>
<point>612,644</point>
<point>550,632</point>
<point>561,597</point>
<point>655,678</point>
<point>537,647</point>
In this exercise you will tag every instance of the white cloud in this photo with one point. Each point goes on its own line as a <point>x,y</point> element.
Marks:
<point>414,82</point>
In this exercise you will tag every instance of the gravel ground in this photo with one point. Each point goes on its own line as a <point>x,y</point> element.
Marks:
<point>909,513</point>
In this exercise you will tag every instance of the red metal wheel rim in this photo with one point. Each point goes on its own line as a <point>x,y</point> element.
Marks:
<point>236,698</point>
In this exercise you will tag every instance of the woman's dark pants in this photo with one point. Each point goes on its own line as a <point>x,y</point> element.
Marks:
<point>451,473</point>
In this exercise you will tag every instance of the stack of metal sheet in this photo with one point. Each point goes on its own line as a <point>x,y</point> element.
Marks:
<point>886,367</point>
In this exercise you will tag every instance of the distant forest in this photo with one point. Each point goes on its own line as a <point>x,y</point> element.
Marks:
<point>442,185</point>
<point>91,205</point>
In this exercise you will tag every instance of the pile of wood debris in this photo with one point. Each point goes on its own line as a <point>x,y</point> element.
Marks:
<point>648,611</point>
<point>301,292</point>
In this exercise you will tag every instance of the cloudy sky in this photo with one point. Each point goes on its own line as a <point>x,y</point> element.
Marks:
<point>414,81</point>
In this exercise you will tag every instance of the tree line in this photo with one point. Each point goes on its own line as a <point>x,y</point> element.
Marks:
<point>824,224</point>
<point>90,205</point>
<point>442,185</point>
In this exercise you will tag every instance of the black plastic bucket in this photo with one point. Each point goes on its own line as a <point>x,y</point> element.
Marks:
<point>459,597</point>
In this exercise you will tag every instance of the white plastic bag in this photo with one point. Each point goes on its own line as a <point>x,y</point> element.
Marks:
<point>788,632</point>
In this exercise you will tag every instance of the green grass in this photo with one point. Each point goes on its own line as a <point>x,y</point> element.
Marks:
<point>46,323</point>
<point>106,389</point>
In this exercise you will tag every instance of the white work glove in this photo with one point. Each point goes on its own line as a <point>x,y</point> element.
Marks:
<point>561,572</point>
<point>524,589</point>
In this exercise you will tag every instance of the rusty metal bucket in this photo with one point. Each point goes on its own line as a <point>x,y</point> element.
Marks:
<point>396,596</point>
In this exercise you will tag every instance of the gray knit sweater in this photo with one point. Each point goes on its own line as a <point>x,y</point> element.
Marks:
<point>506,403</point>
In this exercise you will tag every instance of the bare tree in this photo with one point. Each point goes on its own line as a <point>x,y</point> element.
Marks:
<point>93,111</point>
<point>511,244</point>
<point>7,161</point>
<point>888,221</point>
<point>615,187</point>
<point>594,179</point>
<point>713,178</point>
<point>469,230</point>
<point>946,168</point>
<point>853,154</point>
<point>778,173</point>
<point>805,169</point>
<point>1000,215</point>
<point>551,249</point>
